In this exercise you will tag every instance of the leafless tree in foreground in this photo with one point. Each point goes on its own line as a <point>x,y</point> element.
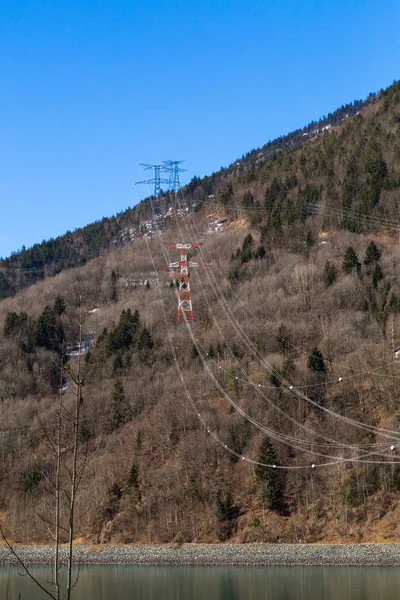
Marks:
<point>70,466</point>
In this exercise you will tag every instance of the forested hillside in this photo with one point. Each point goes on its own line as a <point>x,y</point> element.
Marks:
<point>25,267</point>
<point>274,415</point>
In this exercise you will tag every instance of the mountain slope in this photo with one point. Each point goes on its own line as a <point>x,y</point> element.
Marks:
<point>289,361</point>
<point>75,248</point>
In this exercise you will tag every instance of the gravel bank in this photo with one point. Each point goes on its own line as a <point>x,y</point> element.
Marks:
<point>229,554</point>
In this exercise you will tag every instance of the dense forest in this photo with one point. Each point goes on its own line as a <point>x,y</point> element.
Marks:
<point>274,415</point>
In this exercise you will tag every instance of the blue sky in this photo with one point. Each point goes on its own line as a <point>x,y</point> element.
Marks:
<point>88,89</point>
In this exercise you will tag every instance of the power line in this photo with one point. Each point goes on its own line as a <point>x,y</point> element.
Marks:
<point>293,388</point>
<point>279,438</point>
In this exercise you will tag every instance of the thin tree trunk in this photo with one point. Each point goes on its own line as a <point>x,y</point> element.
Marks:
<point>57,482</point>
<point>74,470</point>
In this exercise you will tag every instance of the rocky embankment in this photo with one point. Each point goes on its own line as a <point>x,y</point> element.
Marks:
<point>217,554</point>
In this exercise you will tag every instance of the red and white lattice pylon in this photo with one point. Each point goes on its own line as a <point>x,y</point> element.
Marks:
<point>185,309</point>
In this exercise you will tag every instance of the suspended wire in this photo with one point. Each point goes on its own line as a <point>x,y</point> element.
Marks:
<point>365,458</point>
<point>334,460</point>
<point>294,438</point>
<point>275,373</point>
<point>353,422</point>
<point>326,209</point>
<point>292,345</point>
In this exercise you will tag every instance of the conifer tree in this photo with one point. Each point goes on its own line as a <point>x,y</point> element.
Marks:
<point>122,412</point>
<point>330,273</point>
<point>283,339</point>
<point>372,254</point>
<point>260,252</point>
<point>269,479</point>
<point>315,361</point>
<point>377,275</point>
<point>49,333</point>
<point>133,485</point>
<point>59,306</point>
<point>145,343</point>
<point>309,241</point>
<point>113,283</point>
<point>350,261</point>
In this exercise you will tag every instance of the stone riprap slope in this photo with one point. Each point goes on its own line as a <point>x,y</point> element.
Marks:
<point>219,555</point>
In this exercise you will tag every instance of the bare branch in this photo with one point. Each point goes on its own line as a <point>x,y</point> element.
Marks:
<point>23,565</point>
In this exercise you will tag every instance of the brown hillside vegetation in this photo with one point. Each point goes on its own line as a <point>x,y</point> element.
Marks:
<point>289,362</point>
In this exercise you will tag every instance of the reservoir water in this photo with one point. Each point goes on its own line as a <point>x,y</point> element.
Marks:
<point>215,583</point>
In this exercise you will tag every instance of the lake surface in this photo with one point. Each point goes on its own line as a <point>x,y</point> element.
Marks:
<point>216,583</point>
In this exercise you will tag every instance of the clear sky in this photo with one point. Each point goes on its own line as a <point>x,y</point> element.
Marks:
<point>90,88</point>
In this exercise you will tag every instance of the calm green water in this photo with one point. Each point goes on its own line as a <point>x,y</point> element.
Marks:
<point>217,583</point>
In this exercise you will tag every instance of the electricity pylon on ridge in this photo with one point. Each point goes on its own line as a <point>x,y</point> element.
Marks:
<point>172,166</point>
<point>185,309</point>
<point>157,180</point>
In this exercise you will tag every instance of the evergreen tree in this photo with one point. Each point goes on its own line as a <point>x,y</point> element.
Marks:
<point>48,332</point>
<point>283,339</point>
<point>315,361</point>
<point>145,343</point>
<point>275,377</point>
<point>372,254</point>
<point>59,306</point>
<point>377,275</point>
<point>227,193</point>
<point>103,336</point>
<point>309,241</point>
<point>219,350</point>
<point>122,412</point>
<point>350,261</point>
<point>113,285</point>
<point>350,183</point>
<point>5,287</point>
<point>15,323</point>
<point>227,514</point>
<point>276,192</point>
<point>118,365</point>
<point>269,479</point>
<point>133,484</point>
<point>226,511</point>
<point>246,253</point>
<point>330,273</point>
<point>118,394</point>
<point>248,200</point>
<point>125,333</point>
<point>260,252</point>
<point>32,479</point>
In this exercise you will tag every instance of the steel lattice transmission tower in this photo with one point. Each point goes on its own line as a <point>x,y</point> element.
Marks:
<point>172,166</point>
<point>185,309</point>
<point>157,180</point>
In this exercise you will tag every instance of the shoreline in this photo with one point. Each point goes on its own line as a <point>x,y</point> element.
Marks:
<point>216,555</point>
